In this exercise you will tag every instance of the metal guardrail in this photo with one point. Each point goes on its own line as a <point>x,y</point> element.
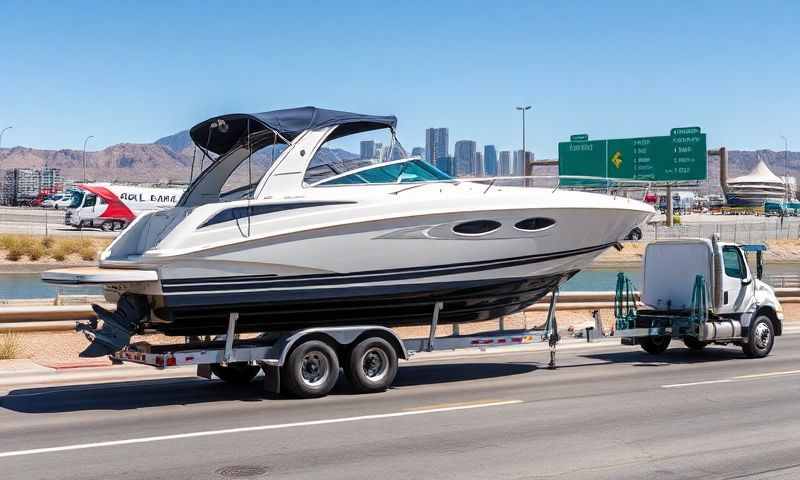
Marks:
<point>53,318</point>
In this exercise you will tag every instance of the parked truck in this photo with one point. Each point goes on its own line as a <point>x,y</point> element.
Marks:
<point>112,207</point>
<point>702,292</point>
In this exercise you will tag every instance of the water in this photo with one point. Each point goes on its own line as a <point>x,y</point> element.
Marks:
<point>30,285</point>
<point>25,285</point>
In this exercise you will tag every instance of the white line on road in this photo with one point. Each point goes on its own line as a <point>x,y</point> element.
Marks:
<point>734,379</point>
<point>209,433</point>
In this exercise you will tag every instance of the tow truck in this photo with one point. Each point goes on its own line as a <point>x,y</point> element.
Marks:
<point>701,291</point>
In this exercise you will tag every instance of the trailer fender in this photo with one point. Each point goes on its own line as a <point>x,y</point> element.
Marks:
<point>339,336</point>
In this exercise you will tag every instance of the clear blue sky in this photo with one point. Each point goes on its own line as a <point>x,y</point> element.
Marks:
<point>136,71</point>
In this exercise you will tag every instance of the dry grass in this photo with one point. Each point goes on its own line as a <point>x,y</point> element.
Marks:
<point>10,345</point>
<point>58,248</point>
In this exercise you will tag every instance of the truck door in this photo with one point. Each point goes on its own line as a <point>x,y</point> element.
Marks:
<point>735,279</point>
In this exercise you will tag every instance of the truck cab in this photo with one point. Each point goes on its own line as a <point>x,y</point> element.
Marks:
<point>85,211</point>
<point>702,291</point>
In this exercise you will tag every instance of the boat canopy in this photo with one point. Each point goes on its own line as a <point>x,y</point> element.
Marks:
<point>221,134</point>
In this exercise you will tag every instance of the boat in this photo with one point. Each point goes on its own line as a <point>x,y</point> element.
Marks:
<point>377,241</point>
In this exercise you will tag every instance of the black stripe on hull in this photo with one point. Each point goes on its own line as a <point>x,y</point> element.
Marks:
<point>395,306</point>
<point>272,281</point>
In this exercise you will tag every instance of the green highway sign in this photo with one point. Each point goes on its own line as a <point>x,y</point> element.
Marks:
<point>681,156</point>
<point>579,138</point>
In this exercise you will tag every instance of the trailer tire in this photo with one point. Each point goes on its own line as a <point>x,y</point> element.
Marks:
<point>372,365</point>
<point>692,343</point>
<point>655,345</point>
<point>760,339</point>
<point>311,370</point>
<point>235,373</point>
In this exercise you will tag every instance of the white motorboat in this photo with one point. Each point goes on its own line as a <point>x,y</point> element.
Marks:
<point>380,244</point>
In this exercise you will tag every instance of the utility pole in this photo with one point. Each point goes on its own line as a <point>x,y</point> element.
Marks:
<point>84,157</point>
<point>523,109</point>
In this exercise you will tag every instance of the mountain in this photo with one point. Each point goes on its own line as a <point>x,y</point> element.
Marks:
<point>170,159</point>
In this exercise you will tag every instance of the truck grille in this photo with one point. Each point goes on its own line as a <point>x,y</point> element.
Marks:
<point>67,215</point>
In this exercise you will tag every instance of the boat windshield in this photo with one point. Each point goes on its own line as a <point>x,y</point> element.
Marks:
<point>411,170</point>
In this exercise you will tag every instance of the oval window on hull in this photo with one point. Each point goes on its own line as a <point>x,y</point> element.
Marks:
<point>476,227</point>
<point>535,224</point>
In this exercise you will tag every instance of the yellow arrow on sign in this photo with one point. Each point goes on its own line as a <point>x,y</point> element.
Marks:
<point>616,159</point>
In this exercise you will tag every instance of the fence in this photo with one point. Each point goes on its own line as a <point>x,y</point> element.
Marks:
<point>742,232</point>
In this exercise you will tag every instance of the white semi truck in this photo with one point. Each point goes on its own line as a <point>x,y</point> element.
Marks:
<point>112,207</point>
<point>702,292</point>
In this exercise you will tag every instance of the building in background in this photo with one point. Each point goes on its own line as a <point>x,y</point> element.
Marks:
<point>490,160</point>
<point>504,164</point>
<point>437,141</point>
<point>465,158</point>
<point>518,168</point>
<point>478,168</point>
<point>445,164</point>
<point>51,180</point>
<point>368,150</point>
<point>418,152</point>
<point>22,185</point>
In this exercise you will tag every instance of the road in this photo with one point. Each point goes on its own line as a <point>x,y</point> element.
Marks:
<point>38,221</point>
<point>607,412</point>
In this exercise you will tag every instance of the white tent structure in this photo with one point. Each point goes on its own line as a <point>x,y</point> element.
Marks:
<point>757,187</point>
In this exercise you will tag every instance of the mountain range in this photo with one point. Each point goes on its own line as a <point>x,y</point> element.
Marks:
<point>169,159</point>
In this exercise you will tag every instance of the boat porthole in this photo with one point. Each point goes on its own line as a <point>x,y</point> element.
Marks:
<point>476,227</point>
<point>534,224</point>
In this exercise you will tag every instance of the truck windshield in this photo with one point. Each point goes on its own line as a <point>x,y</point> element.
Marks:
<point>77,199</point>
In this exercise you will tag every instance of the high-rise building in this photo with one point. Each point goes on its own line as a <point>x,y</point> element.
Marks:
<point>478,168</point>
<point>490,160</point>
<point>445,164</point>
<point>368,150</point>
<point>465,158</point>
<point>418,152</point>
<point>504,163</point>
<point>520,162</point>
<point>437,141</point>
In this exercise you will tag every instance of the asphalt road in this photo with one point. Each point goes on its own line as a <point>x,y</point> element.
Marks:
<point>38,221</point>
<point>607,412</point>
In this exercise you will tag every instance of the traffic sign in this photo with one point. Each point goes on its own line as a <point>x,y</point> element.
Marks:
<point>681,156</point>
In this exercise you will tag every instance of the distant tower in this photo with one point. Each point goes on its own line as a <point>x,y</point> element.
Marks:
<point>490,160</point>
<point>368,150</point>
<point>520,161</point>
<point>478,168</point>
<point>445,164</point>
<point>418,152</point>
<point>465,158</point>
<point>505,163</point>
<point>436,144</point>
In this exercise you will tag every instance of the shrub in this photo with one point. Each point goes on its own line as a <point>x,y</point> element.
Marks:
<point>15,253</point>
<point>72,245</point>
<point>10,345</point>
<point>47,242</point>
<point>35,250</point>
<point>88,253</point>
<point>59,254</point>
<point>7,242</point>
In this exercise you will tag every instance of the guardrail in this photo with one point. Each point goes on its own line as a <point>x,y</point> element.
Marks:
<point>54,318</point>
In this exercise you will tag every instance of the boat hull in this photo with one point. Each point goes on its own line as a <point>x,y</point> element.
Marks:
<point>401,305</point>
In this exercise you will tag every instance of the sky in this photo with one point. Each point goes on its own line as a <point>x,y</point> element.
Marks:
<point>127,71</point>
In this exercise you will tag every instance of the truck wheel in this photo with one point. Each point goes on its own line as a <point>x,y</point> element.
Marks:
<point>235,373</point>
<point>655,345</point>
<point>311,370</point>
<point>107,226</point>
<point>692,343</point>
<point>761,338</point>
<point>372,365</point>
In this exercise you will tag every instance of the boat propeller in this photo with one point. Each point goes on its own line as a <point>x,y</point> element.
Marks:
<point>118,326</point>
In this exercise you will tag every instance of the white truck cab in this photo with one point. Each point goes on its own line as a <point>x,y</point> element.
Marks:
<point>702,291</point>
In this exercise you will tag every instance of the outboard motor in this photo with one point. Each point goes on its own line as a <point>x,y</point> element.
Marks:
<point>118,326</point>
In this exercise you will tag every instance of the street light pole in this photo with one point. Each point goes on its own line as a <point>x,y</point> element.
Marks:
<point>785,169</point>
<point>523,109</point>
<point>2,132</point>
<point>84,157</point>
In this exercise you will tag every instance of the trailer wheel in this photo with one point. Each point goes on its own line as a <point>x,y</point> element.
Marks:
<point>311,370</point>
<point>761,338</point>
<point>692,343</point>
<point>372,365</point>
<point>235,373</point>
<point>655,345</point>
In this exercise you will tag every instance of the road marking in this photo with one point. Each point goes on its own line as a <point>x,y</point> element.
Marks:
<point>453,404</point>
<point>753,376</point>
<point>227,431</point>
